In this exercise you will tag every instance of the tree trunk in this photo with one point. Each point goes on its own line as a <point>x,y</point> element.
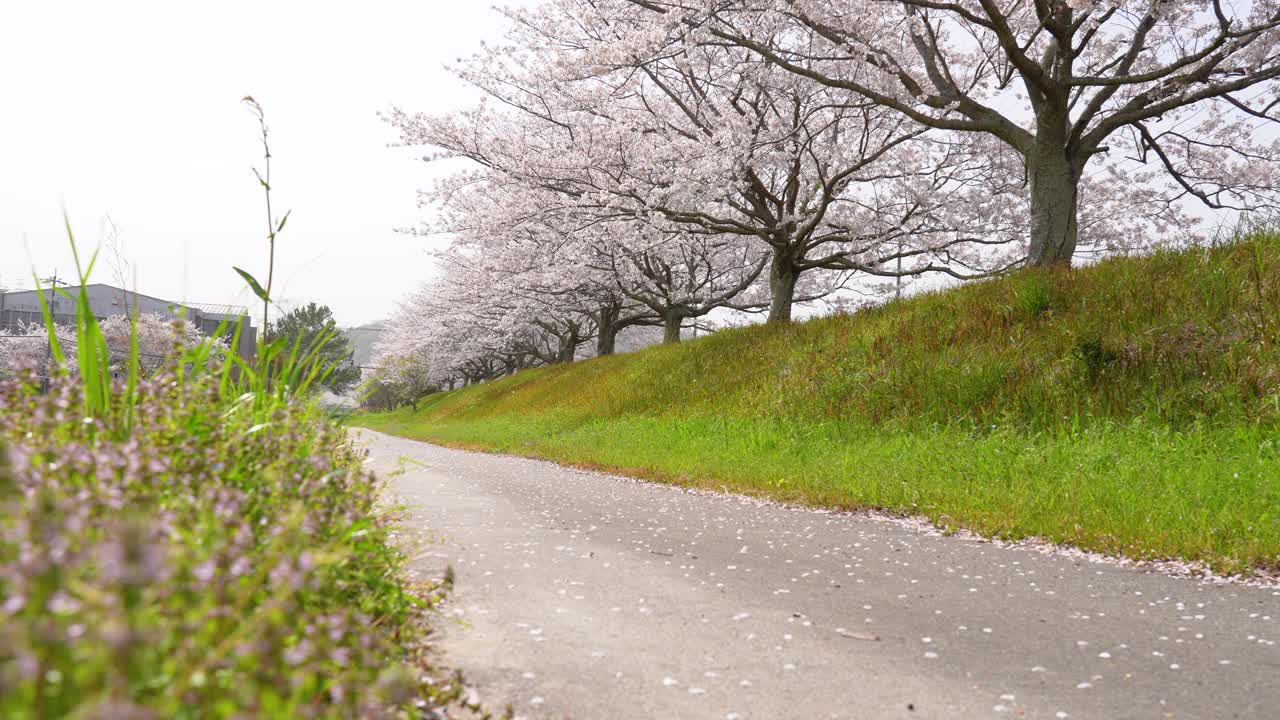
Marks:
<point>607,340</point>
<point>568,348</point>
<point>607,336</point>
<point>1055,191</point>
<point>671,327</point>
<point>782,288</point>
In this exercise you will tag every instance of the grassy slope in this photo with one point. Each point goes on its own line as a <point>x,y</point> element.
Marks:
<point>1133,407</point>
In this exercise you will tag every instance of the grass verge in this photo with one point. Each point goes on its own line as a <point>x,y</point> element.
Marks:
<point>1130,407</point>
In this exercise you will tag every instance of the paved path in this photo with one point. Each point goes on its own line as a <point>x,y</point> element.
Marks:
<point>589,596</point>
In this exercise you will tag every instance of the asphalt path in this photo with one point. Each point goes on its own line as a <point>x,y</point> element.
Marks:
<point>584,595</point>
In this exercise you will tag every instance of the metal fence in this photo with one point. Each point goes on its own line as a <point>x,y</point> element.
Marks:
<point>44,366</point>
<point>19,320</point>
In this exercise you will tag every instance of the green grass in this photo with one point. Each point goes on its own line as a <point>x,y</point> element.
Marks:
<point>1132,407</point>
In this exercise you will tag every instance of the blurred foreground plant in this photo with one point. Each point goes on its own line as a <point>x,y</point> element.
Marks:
<point>194,542</point>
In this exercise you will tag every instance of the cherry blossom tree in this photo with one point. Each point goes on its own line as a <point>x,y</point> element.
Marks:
<point>615,269</point>
<point>643,163</point>
<point>498,223</point>
<point>401,380</point>
<point>159,339</point>
<point>1166,99</point>
<point>682,279</point>
<point>604,106</point>
<point>481,318</point>
<point>25,347</point>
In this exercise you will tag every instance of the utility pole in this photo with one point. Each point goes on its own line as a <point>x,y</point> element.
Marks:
<point>48,365</point>
<point>54,281</point>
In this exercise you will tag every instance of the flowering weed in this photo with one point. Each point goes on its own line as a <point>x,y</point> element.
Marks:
<point>195,543</point>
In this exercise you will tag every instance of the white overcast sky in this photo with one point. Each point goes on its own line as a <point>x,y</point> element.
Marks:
<point>133,108</point>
